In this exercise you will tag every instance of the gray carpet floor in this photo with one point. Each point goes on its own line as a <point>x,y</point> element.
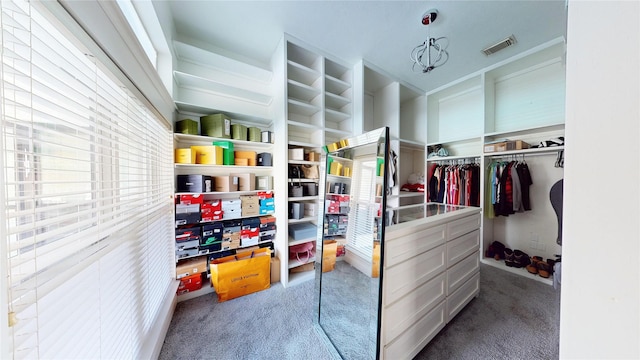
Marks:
<point>512,318</point>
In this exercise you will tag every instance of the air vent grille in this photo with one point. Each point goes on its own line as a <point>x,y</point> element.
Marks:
<point>499,45</point>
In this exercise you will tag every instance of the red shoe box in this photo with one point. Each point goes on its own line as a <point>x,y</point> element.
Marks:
<point>190,283</point>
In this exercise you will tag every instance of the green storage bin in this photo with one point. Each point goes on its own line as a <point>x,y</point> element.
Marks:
<point>228,154</point>
<point>187,126</point>
<point>238,132</point>
<point>255,134</point>
<point>216,125</point>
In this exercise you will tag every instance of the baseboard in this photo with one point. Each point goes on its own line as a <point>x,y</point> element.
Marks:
<point>155,339</point>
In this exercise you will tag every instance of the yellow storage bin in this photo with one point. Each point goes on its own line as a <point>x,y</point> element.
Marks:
<point>183,156</point>
<point>207,154</point>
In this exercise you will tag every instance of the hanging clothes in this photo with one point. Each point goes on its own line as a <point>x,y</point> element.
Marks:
<point>509,190</point>
<point>455,184</point>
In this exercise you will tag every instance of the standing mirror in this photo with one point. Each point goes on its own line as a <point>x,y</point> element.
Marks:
<point>348,274</point>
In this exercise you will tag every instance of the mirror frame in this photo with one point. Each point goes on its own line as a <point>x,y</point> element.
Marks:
<point>381,137</point>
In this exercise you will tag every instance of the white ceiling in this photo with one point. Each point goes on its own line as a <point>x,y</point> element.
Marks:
<point>381,32</point>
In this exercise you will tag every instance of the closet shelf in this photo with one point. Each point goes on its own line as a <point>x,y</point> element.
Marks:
<point>544,150</point>
<point>519,271</point>
<point>456,157</point>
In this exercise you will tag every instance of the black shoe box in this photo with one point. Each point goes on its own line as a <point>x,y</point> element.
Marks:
<point>194,183</point>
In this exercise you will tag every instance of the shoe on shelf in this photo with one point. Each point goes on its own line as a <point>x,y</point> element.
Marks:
<point>544,270</point>
<point>521,258</point>
<point>509,258</point>
<point>533,266</point>
<point>498,249</point>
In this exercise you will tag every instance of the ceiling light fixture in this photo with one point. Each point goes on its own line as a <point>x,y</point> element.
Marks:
<point>432,53</point>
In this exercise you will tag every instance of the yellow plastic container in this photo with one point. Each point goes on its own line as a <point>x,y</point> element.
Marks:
<point>183,156</point>
<point>207,154</point>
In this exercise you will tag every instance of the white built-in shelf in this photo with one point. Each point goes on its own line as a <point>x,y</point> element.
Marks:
<point>519,271</point>
<point>332,115</point>
<point>295,263</point>
<point>303,220</point>
<point>337,177</point>
<point>302,91</point>
<point>301,277</point>
<point>541,150</point>
<point>303,180</point>
<point>410,194</point>
<point>302,125</point>
<point>206,289</point>
<point>411,144</point>
<point>209,141</point>
<point>336,102</point>
<point>301,241</point>
<point>474,139</point>
<point>304,162</point>
<point>302,108</point>
<point>220,167</point>
<point>456,157</point>
<point>514,134</point>
<point>197,82</point>
<point>302,198</point>
<point>336,86</point>
<point>338,132</point>
<point>304,144</point>
<point>199,110</point>
<point>302,73</point>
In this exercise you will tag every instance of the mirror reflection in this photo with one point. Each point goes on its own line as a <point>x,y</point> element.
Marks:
<point>348,278</point>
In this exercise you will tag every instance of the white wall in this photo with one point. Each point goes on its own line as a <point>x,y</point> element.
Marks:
<point>600,303</point>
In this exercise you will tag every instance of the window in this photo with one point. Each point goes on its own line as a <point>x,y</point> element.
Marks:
<point>87,190</point>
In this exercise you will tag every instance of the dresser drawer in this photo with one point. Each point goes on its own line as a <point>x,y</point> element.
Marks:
<point>409,343</point>
<point>412,243</point>
<point>461,247</point>
<point>404,312</point>
<point>462,296</point>
<point>462,226</point>
<point>462,271</point>
<point>403,278</point>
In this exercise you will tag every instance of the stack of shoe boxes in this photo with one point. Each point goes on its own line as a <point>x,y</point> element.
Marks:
<point>250,232</point>
<point>267,228</point>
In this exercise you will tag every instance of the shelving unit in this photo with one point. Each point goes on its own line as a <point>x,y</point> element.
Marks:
<point>404,110</point>
<point>318,110</point>
<point>521,98</point>
<point>208,83</point>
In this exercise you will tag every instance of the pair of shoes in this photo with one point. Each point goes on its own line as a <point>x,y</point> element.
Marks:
<point>509,258</point>
<point>521,258</point>
<point>498,250</point>
<point>544,269</point>
<point>533,266</point>
<point>516,258</point>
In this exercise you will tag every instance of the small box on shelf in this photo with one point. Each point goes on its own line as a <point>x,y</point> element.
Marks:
<point>228,153</point>
<point>239,132</point>
<point>216,125</point>
<point>264,182</point>
<point>206,154</point>
<point>187,126</point>
<point>254,134</point>
<point>191,266</point>
<point>296,154</point>
<point>264,159</point>
<point>194,183</point>
<point>267,137</point>
<point>226,183</point>
<point>302,231</point>
<point>183,156</point>
<point>190,283</point>
<point>245,158</point>
<point>246,181</point>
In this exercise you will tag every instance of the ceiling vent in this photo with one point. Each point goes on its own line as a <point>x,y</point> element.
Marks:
<point>511,40</point>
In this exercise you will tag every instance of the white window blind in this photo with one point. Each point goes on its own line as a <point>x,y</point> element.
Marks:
<point>363,208</point>
<point>87,188</point>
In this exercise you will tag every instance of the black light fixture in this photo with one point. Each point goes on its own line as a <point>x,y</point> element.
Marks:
<point>432,53</point>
